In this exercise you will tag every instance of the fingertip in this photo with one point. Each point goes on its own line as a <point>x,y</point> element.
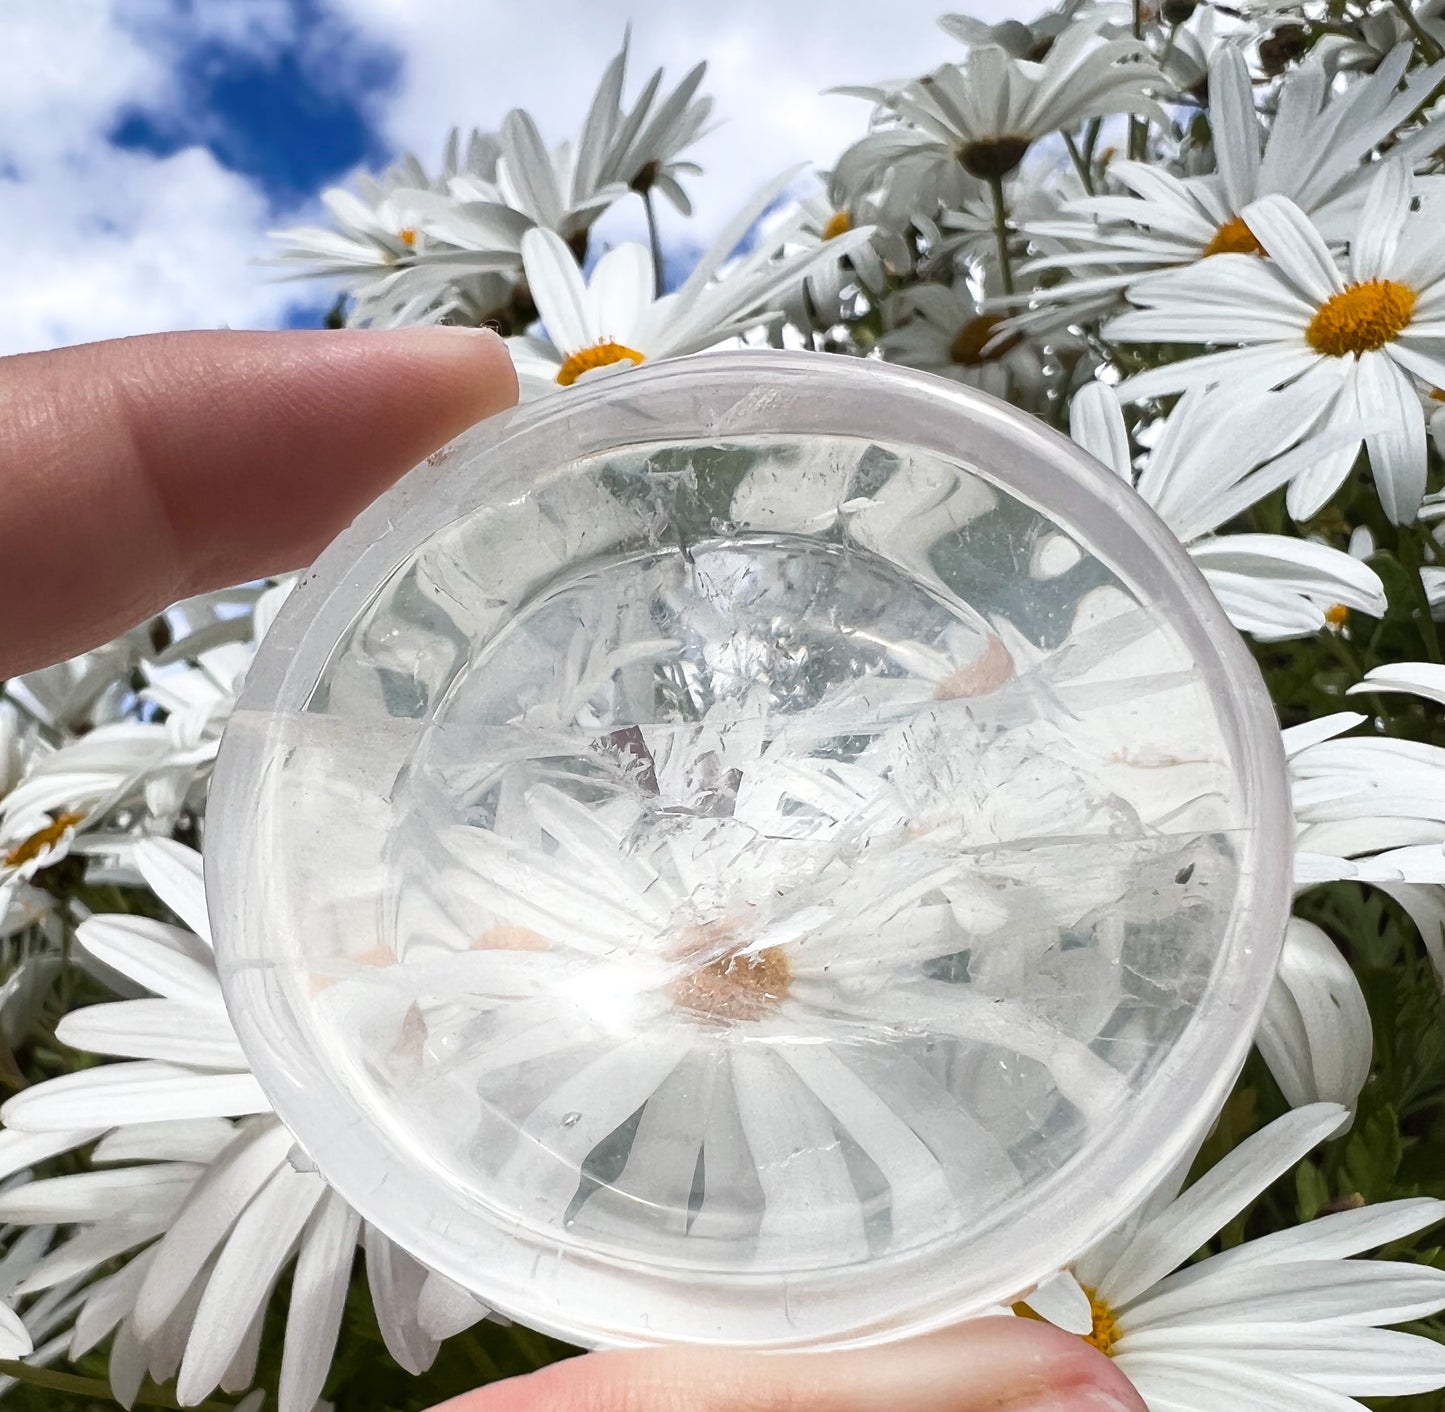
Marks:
<point>999,1364</point>
<point>472,362</point>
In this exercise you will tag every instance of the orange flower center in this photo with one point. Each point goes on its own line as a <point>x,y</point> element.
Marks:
<point>407,236</point>
<point>729,987</point>
<point>1336,616</point>
<point>1362,318</point>
<point>29,849</point>
<point>839,223</point>
<point>1234,238</point>
<point>600,355</point>
<point>994,667</point>
<point>973,345</point>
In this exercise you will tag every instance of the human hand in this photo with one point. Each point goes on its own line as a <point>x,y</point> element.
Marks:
<point>137,472</point>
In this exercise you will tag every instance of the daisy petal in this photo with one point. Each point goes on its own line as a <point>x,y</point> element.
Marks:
<point>154,1029</point>
<point>444,1309</point>
<point>1397,452</point>
<point>219,1198</point>
<point>1097,424</point>
<point>1367,1362</point>
<point>1177,1382</point>
<point>1425,679</point>
<point>108,1302</point>
<point>92,1196</point>
<point>318,1295</point>
<point>621,287</point>
<point>1295,245</point>
<point>1236,129</point>
<point>15,1341</point>
<point>1425,905</point>
<point>1062,1301</point>
<point>1368,1293</point>
<point>258,1246</point>
<point>558,291</point>
<point>1316,1035</point>
<point>1382,216</point>
<point>396,1281</point>
<point>1178,1231</point>
<point>19,1150</point>
<point>146,1091</point>
<point>174,874</point>
<point>162,958</point>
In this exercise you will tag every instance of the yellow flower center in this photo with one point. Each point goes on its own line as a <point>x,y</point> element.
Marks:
<point>29,849</point>
<point>1362,318</point>
<point>1336,615</point>
<point>1233,238</point>
<point>600,355</point>
<point>407,236</point>
<point>1105,1331</point>
<point>973,344</point>
<point>839,223</point>
<point>729,987</point>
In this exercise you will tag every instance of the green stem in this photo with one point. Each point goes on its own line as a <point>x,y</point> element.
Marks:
<point>1413,559</point>
<point>1000,233</point>
<point>1138,128</point>
<point>1433,52</point>
<point>654,242</point>
<point>1168,48</point>
<point>94,1388</point>
<point>1091,140</point>
<point>1080,165</point>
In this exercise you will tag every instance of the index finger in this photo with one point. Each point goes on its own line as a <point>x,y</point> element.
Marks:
<point>140,471</point>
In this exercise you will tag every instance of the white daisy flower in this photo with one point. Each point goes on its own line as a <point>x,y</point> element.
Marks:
<point>1034,40</point>
<point>1378,31</point>
<point>1215,457</point>
<point>206,1211</point>
<point>943,329</point>
<point>817,220</point>
<point>981,116</point>
<point>1288,1322</point>
<point>640,149</point>
<point>80,786</point>
<point>612,319</point>
<point>1357,344</point>
<point>1311,153</point>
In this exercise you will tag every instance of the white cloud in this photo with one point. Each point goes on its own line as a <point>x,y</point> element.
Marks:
<point>105,241</point>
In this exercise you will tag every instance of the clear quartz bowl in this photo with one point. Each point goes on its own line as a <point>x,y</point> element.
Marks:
<point>764,849</point>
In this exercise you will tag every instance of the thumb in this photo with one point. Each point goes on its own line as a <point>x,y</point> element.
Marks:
<point>988,1365</point>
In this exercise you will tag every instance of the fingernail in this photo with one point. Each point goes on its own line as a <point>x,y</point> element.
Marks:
<point>1076,1399</point>
<point>431,330</point>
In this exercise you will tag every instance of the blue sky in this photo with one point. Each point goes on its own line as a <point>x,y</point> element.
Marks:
<point>146,146</point>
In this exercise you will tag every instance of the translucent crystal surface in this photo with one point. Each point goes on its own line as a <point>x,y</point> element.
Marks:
<point>760,898</point>
<point>756,859</point>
